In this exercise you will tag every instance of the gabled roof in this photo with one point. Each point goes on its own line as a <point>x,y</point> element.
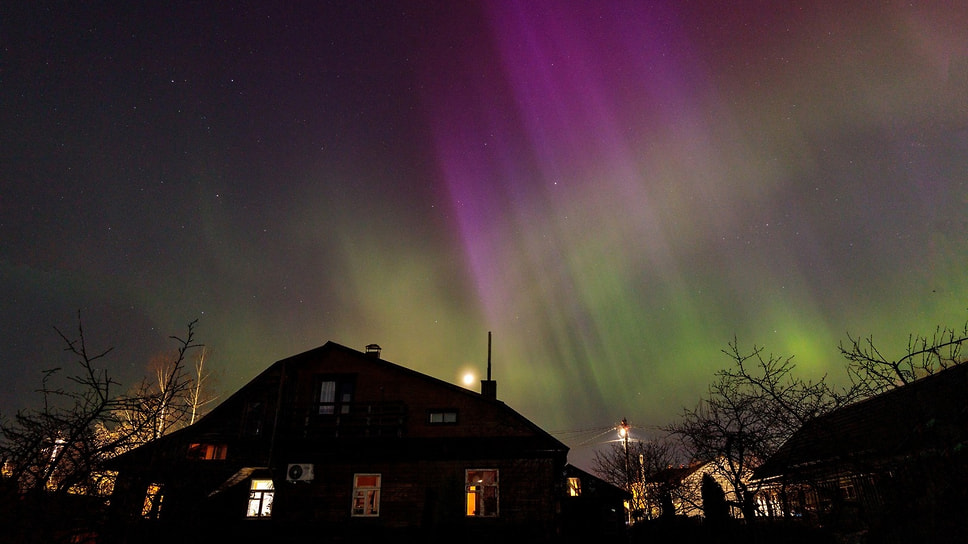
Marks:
<point>377,361</point>
<point>313,356</point>
<point>676,475</point>
<point>926,415</point>
<point>594,485</point>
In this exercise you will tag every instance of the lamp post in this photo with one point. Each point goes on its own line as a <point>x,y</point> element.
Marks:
<point>623,433</point>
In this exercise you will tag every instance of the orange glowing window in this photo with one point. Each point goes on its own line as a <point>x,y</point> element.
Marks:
<point>207,452</point>
<point>574,487</point>
<point>153,498</point>
<point>481,492</point>
<point>366,495</point>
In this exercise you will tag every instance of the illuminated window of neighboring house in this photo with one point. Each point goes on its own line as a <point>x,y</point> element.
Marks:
<point>335,395</point>
<point>443,416</point>
<point>848,491</point>
<point>153,499</point>
<point>260,499</point>
<point>99,484</point>
<point>366,495</point>
<point>207,452</point>
<point>574,487</point>
<point>481,492</point>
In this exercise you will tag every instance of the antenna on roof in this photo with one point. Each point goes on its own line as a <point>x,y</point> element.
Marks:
<point>488,355</point>
<point>489,386</point>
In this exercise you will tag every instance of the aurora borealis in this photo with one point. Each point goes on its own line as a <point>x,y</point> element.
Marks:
<point>614,189</point>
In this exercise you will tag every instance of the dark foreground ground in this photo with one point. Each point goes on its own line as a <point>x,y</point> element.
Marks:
<point>691,531</point>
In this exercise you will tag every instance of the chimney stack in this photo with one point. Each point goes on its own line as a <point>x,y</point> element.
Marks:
<point>372,350</point>
<point>489,386</point>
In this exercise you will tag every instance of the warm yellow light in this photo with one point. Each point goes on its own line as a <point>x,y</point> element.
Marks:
<point>468,378</point>
<point>621,432</point>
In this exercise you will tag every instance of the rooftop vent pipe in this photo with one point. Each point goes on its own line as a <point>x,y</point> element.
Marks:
<point>489,386</point>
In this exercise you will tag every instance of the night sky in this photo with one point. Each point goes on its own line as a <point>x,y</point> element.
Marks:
<point>614,189</point>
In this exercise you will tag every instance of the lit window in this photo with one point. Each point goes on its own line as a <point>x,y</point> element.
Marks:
<point>848,492</point>
<point>481,492</point>
<point>153,499</point>
<point>574,487</point>
<point>260,499</point>
<point>438,418</point>
<point>207,452</point>
<point>366,495</point>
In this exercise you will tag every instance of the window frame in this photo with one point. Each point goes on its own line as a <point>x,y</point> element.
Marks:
<point>207,451</point>
<point>447,416</point>
<point>253,419</point>
<point>343,393</point>
<point>262,497</point>
<point>154,500</point>
<point>574,486</point>
<point>366,498</point>
<point>483,493</point>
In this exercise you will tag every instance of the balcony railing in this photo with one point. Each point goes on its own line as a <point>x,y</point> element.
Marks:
<point>353,419</point>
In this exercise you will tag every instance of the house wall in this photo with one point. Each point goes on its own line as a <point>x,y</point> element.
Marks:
<point>275,420</point>
<point>422,494</point>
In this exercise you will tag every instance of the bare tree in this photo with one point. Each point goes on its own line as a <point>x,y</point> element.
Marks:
<point>632,471</point>
<point>872,373</point>
<point>758,402</point>
<point>60,447</point>
<point>173,397</point>
<point>200,394</point>
<point>754,406</point>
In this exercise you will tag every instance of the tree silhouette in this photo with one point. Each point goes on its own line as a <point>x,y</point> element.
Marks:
<point>714,506</point>
<point>60,447</point>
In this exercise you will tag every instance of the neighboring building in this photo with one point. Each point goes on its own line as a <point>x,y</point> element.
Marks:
<point>873,465</point>
<point>340,444</point>
<point>592,508</point>
<point>680,488</point>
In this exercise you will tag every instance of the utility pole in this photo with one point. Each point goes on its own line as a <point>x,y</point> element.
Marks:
<point>623,432</point>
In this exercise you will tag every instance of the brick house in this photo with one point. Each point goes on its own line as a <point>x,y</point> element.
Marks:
<point>344,445</point>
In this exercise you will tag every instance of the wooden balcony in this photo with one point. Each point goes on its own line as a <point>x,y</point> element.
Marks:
<point>352,420</point>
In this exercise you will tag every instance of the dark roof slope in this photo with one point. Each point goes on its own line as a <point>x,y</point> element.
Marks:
<point>675,475</point>
<point>596,486</point>
<point>277,369</point>
<point>927,415</point>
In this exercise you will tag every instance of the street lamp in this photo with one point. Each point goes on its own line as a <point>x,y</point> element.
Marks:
<point>623,433</point>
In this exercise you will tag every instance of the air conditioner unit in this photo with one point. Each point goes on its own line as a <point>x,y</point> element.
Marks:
<point>299,472</point>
